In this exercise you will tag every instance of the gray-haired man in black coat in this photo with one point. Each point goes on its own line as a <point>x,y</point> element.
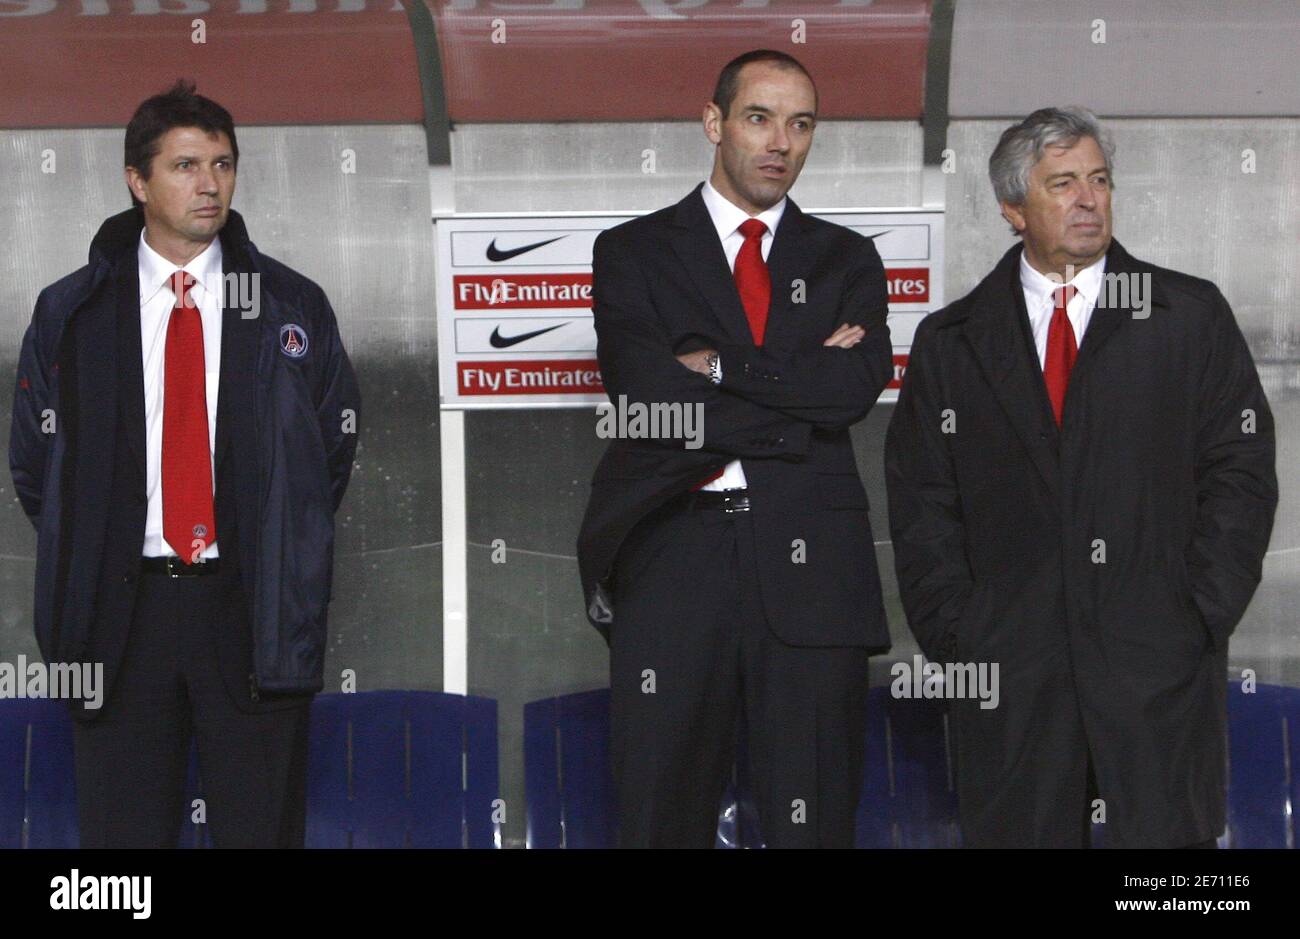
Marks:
<point>1081,489</point>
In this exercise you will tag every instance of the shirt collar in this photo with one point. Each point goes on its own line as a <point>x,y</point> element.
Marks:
<point>156,271</point>
<point>727,216</point>
<point>1086,281</point>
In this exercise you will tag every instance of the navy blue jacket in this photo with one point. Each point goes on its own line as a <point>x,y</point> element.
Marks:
<point>290,412</point>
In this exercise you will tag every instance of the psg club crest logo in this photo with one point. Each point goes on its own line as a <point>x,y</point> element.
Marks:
<point>293,340</point>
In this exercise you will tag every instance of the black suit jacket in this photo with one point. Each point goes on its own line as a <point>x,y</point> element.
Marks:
<point>661,285</point>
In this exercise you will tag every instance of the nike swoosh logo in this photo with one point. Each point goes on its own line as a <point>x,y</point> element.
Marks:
<point>505,342</point>
<point>496,254</point>
<point>879,233</point>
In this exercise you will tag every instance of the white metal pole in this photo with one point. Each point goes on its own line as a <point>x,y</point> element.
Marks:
<point>455,566</point>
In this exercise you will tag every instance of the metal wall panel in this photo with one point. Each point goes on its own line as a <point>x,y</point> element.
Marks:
<point>642,167</point>
<point>1166,58</point>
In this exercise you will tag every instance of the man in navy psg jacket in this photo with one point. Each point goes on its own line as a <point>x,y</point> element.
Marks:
<point>200,585</point>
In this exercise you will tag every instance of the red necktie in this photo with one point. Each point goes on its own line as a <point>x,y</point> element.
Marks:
<point>752,280</point>
<point>188,518</point>
<point>1061,351</point>
<point>754,285</point>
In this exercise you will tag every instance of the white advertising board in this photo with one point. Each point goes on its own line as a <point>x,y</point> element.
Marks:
<point>514,302</point>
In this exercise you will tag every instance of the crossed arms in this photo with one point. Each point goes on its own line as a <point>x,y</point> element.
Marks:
<point>768,401</point>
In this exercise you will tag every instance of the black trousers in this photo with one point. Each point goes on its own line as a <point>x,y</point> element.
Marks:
<point>690,648</point>
<point>131,760</point>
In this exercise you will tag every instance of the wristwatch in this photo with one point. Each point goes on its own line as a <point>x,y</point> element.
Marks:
<point>715,368</point>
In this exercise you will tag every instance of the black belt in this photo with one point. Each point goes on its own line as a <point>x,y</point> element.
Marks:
<point>173,566</point>
<point>725,500</point>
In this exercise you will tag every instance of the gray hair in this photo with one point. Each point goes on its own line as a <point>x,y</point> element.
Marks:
<point>1022,145</point>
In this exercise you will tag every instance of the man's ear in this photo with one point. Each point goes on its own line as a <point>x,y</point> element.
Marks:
<point>1014,216</point>
<point>135,182</point>
<point>713,123</point>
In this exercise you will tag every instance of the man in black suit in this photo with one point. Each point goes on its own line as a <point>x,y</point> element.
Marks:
<point>739,578</point>
<point>184,423</point>
<point>1081,490</point>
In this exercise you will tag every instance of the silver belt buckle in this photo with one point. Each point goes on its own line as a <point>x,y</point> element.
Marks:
<point>735,503</point>
<point>176,568</point>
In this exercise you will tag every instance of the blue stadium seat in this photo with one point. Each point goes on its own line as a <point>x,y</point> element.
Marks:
<point>908,797</point>
<point>385,769</point>
<point>419,769</point>
<point>1263,754</point>
<point>38,799</point>
<point>738,816</point>
<point>193,835</point>
<point>394,769</point>
<point>569,789</point>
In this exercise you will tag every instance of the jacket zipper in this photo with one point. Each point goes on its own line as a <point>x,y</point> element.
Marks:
<point>252,685</point>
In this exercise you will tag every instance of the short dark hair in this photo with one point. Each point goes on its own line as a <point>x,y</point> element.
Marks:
<point>724,93</point>
<point>179,106</point>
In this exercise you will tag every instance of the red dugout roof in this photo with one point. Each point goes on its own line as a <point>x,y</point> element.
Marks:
<point>88,63</point>
<point>658,59</point>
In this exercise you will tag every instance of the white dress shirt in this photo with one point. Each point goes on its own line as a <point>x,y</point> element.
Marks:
<point>727,218</point>
<point>156,302</point>
<point>1040,301</point>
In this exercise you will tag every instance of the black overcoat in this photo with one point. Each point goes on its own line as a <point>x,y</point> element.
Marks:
<point>1102,566</point>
